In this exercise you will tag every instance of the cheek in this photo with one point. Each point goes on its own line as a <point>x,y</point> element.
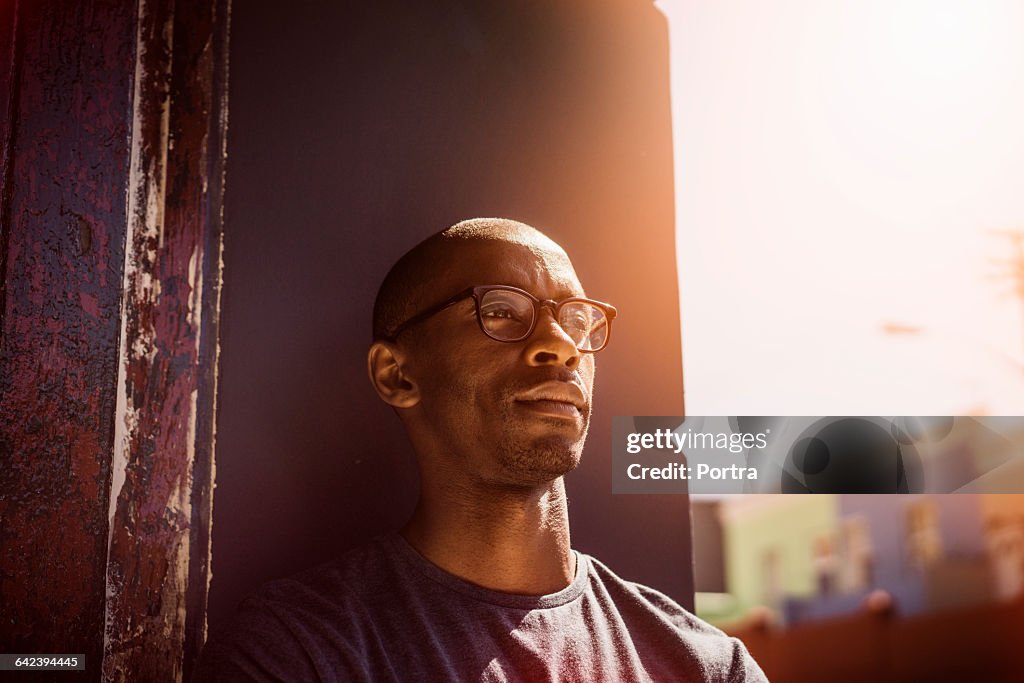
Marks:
<point>453,379</point>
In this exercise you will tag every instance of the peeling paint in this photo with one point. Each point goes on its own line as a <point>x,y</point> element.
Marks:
<point>106,375</point>
<point>141,222</point>
<point>64,158</point>
<point>163,378</point>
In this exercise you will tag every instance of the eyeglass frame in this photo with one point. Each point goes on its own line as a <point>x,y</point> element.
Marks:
<point>480,290</point>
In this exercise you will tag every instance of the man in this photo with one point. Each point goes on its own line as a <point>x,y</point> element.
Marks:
<point>484,345</point>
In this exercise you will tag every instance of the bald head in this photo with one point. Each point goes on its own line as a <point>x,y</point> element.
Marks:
<point>476,409</point>
<point>432,269</point>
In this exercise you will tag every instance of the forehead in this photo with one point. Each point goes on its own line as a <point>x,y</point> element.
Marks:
<point>539,266</point>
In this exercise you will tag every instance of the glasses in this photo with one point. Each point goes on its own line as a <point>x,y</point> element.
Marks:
<point>510,314</point>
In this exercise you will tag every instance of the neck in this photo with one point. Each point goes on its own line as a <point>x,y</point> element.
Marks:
<point>510,540</point>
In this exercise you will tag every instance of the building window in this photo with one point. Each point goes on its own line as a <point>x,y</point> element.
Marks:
<point>859,565</point>
<point>771,579</point>
<point>826,565</point>
<point>924,542</point>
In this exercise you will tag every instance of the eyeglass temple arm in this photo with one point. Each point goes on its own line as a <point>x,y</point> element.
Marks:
<point>423,315</point>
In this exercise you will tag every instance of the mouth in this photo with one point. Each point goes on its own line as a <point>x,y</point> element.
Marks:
<point>555,399</point>
<point>551,408</point>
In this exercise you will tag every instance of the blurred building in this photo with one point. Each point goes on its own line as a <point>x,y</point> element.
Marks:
<point>815,557</point>
<point>767,557</point>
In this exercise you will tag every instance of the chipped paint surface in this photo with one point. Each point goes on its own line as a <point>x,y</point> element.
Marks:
<point>66,84</point>
<point>145,198</point>
<point>110,253</point>
<point>165,382</point>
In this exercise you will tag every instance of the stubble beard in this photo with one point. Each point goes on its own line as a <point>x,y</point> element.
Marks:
<point>521,452</point>
<point>533,459</point>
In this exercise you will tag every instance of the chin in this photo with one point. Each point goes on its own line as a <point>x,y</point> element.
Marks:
<point>544,460</point>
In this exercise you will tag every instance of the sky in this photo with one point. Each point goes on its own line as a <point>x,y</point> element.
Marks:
<point>843,172</point>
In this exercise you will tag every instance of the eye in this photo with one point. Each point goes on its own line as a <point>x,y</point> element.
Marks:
<point>500,311</point>
<point>578,321</point>
<point>506,314</point>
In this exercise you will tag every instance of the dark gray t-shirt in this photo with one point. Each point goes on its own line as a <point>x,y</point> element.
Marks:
<point>384,613</point>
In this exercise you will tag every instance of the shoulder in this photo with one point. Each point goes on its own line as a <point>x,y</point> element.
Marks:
<point>668,626</point>
<point>335,593</point>
<point>634,594</point>
<point>299,627</point>
<point>359,573</point>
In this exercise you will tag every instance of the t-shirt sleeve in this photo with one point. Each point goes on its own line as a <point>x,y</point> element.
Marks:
<point>724,658</point>
<point>744,668</point>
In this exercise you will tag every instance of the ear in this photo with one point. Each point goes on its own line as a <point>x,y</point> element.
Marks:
<point>393,385</point>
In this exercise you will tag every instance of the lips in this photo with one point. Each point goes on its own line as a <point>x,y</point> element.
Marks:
<point>563,399</point>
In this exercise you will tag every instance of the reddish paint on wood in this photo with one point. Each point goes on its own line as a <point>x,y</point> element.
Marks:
<point>8,98</point>
<point>66,78</point>
<point>171,315</point>
<point>63,229</point>
<point>215,110</point>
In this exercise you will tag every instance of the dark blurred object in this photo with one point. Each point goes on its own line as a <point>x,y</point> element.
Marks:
<point>851,455</point>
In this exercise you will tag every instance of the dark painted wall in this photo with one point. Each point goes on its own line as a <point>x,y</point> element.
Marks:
<point>356,131</point>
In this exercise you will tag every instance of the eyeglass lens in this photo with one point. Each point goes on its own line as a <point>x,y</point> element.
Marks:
<point>508,316</point>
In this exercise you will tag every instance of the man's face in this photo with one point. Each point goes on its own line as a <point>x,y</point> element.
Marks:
<point>505,413</point>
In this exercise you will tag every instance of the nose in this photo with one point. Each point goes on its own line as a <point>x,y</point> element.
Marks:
<point>549,344</point>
